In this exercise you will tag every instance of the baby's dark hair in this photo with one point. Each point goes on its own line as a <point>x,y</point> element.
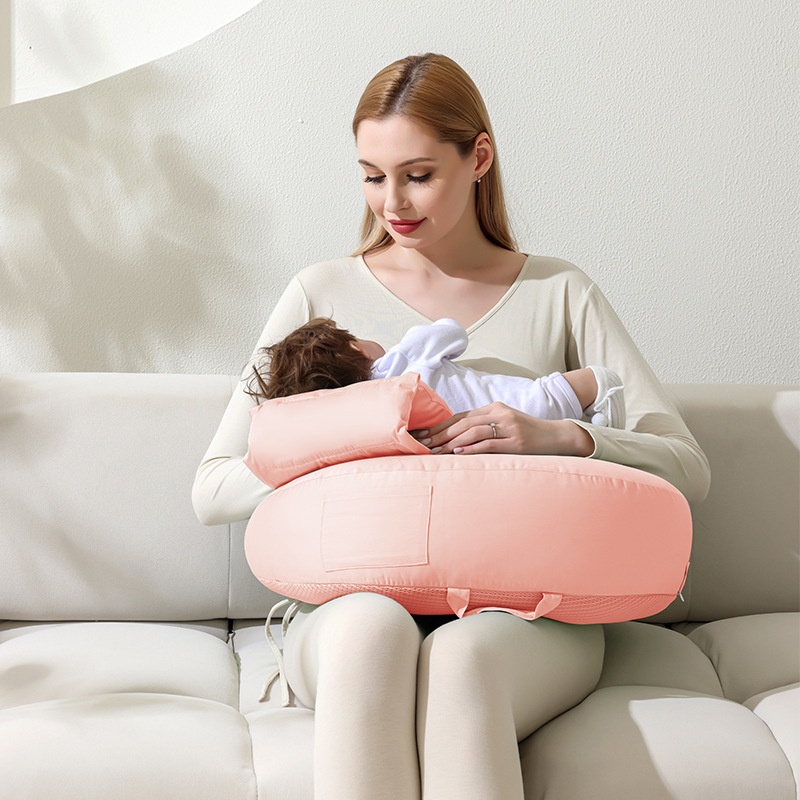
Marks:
<point>318,355</point>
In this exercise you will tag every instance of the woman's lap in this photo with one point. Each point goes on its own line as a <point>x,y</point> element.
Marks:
<point>370,669</point>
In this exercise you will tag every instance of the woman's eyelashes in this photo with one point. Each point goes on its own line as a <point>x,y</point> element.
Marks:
<point>377,180</point>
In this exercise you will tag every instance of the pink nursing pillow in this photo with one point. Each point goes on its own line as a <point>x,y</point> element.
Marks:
<point>291,436</point>
<point>573,539</point>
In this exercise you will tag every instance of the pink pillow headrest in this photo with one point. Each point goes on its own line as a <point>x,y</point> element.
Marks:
<point>292,436</point>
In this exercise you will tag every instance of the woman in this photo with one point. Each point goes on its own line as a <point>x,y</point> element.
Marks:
<point>402,703</point>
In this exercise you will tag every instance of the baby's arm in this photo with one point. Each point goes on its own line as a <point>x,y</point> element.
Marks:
<point>423,348</point>
<point>432,344</point>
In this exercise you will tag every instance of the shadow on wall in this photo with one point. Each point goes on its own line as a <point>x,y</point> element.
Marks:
<point>107,222</point>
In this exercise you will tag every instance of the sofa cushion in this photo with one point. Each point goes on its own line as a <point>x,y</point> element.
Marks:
<point>641,654</point>
<point>744,554</point>
<point>658,744</point>
<point>95,498</point>
<point>283,752</point>
<point>780,709</point>
<point>126,746</point>
<point>256,661</point>
<point>71,660</point>
<point>752,654</point>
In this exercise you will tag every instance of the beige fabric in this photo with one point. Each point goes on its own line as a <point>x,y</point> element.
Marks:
<point>747,531</point>
<point>95,475</point>
<point>354,660</point>
<point>639,654</point>
<point>95,480</point>
<point>485,683</point>
<point>85,659</point>
<point>283,753</point>
<point>552,319</point>
<point>256,662</point>
<point>658,744</point>
<point>127,747</point>
<point>780,709</point>
<point>752,654</point>
<point>481,684</point>
<point>212,627</point>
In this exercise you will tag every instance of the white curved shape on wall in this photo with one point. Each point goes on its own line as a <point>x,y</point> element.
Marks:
<point>59,45</point>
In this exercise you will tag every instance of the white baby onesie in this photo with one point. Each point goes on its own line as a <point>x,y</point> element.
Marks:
<point>429,350</point>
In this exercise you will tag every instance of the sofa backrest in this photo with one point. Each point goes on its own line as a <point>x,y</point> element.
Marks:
<point>747,531</point>
<point>96,520</point>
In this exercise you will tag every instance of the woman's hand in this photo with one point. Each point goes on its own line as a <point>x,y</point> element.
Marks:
<point>497,428</point>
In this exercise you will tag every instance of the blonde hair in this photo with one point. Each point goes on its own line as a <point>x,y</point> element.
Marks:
<point>437,93</point>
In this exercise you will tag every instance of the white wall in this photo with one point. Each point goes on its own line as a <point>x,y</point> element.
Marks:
<point>150,221</point>
<point>59,45</point>
<point>6,55</point>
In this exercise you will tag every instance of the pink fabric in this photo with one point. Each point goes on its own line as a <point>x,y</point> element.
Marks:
<point>292,436</point>
<point>578,540</point>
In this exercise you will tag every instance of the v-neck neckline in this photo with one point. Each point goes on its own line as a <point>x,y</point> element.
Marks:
<point>475,325</point>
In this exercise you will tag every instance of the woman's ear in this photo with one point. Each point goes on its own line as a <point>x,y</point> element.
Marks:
<point>483,152</point>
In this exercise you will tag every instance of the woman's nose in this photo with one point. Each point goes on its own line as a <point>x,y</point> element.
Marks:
<point>395,197</point>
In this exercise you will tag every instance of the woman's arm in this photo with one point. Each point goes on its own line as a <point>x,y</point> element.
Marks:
<point>224,489</point>
<point>657,440</point>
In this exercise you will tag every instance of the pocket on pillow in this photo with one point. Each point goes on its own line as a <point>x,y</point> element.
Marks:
<point>364,530</point>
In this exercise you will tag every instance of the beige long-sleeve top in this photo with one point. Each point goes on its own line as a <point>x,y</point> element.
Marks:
<point>553,318</point>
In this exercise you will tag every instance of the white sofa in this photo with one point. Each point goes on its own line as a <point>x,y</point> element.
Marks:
<point>132,652</point>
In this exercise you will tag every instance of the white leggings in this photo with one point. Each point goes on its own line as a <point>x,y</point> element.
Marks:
<point>398,712</point>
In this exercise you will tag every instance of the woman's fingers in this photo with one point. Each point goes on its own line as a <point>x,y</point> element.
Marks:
<point>467,429</point>
<point>436,431</point>
<point>477,439</point>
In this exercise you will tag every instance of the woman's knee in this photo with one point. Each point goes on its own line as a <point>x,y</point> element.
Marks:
<point>523,662</point>
<point>494,635</point>
<point>366,620</point>
<point>351,631</point>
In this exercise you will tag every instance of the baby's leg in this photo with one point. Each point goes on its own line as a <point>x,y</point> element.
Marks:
<point>601,395</point>
<point>584,384</point>
<point>593,393</point>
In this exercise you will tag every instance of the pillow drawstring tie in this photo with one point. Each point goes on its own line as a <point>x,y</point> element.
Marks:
<point>280,672</point>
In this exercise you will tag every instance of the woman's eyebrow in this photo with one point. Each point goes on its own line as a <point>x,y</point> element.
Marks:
<point>403,164</point>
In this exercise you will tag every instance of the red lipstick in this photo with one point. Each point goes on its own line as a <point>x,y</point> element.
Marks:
<point>406,226</point>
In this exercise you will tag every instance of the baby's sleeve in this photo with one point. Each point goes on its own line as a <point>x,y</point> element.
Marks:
<point>431,344</point>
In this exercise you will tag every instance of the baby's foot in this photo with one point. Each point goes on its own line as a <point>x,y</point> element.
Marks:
<point>608,408</point>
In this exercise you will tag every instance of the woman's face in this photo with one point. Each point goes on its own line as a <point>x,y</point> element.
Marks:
<point>418,187</point>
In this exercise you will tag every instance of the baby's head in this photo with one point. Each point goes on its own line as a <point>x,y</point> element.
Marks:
<point>318,355</point>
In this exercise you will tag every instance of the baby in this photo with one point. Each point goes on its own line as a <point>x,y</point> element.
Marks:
<point>320,355</point>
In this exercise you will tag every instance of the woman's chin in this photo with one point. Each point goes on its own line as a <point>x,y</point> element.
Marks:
<point>406,242</point>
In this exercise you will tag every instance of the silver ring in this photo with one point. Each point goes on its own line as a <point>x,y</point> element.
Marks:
<point>494,429</point>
